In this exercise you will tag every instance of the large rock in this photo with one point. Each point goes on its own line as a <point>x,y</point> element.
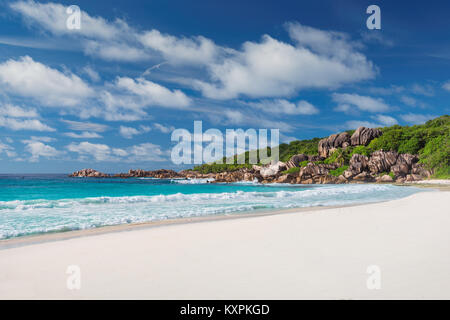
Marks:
<point>382,161</point>
<point>363,177</point>
<point>404,164</point>
<point>385,178</point>
<point>89,173</point>
<point>295,160</point>
<point>358,164</point>
<point>363,135</point>
<point>272,169</point>
<point>328,145</point>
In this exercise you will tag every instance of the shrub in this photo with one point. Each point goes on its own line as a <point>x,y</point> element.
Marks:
<point>291,170</point>
<point>365,151</point>
<point>337,172</point>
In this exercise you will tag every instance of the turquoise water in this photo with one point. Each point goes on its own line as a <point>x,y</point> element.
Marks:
<point>33,204</point>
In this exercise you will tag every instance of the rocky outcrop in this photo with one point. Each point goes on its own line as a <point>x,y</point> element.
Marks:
<point>270,170</point>
<point>363,135</point>
<point>358,164</point>
<point>295,160</point>
<point>328,145</point>
<point>158,174</point>
<point>89,173</point>
<point>316,173</point>
<point>382,161</point>
<point>298,158</point>
<point>243,174</point>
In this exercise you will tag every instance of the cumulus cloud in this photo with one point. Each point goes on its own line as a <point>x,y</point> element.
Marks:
<point>412,102</point>
<point>319,59</point>
<point>38,149</point>
<point>9,110</point>
<point>425,90</point>
<point>446,85</point>
<point>85,126</point>
<point>385,120</point>
<point>91,73</point>
<point>416,118</point>
<point>148,93</point>
<point>285,107</point>
<point>50,87</point>
<point>102,152</point>
<point>7,149</point>
<point>364,103</point>
<point>83,135</point>
<point>24,124</point>
<point>195,50</point>
<point>129,132</point>
<point>163,128</point>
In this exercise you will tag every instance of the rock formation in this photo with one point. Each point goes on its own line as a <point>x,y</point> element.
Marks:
<point>91,173</point>
<point>328,145</point>
<point>363,135</point>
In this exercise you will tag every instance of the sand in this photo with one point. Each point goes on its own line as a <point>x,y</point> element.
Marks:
<point>326,253</point>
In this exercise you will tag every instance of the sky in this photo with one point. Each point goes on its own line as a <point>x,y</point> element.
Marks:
<point>109,94</point>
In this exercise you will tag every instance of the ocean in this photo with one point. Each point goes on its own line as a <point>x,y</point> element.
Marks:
<point>36,204</point>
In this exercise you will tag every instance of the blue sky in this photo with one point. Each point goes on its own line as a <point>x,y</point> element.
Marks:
<point>109,95</point>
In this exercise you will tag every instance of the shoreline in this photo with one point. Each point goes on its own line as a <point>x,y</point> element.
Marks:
<point>40,238</point>
<point>309,254</point>
<point>60,235</point>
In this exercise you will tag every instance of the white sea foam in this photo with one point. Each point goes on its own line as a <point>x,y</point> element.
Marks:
<point>37,216</point>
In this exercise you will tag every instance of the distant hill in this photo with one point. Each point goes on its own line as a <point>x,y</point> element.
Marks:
<point>431,141</point>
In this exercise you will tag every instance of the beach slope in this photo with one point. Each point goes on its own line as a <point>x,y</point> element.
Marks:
<point>326,253</point>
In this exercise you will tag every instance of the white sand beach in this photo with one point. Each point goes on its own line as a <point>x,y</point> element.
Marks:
<point>297,255</point>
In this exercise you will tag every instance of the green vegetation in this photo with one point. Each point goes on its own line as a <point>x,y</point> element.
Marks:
<point>309,147</point>
<point>431,141</point>
<point>337,172</point>
<point>291,170</point>
<point>217,168</point>
<point>360,150</point>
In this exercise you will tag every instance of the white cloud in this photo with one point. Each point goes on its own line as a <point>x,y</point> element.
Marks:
<point>354,124</point>
<point>50,87</point>
<point>7,149</point>
<point>91,73</point>
<point>85,126</point>
<point>114,51</point>
<point>129,132</point>
<point>416,118</point>
<point>9,110</point>
<point>148,93</point>
<point>162,128</point>
<point>24,124</point>
<point>363,103</point>
<point>83,135</point>
<point>52,17</point>
<point>283,107</point>
<point>412,102</point>
<point>195,50</point>
<point>41,138</point>
<point>425,90</point>
<point>320,59</point>
<point>38,149</point>
<point>385,120</point>
<point>446,85</point>
<point>102,152</point>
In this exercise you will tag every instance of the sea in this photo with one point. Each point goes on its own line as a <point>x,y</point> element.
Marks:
<point>39,204</point>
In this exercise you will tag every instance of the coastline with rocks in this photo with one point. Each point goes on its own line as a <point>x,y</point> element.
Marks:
<point>380,166</point>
